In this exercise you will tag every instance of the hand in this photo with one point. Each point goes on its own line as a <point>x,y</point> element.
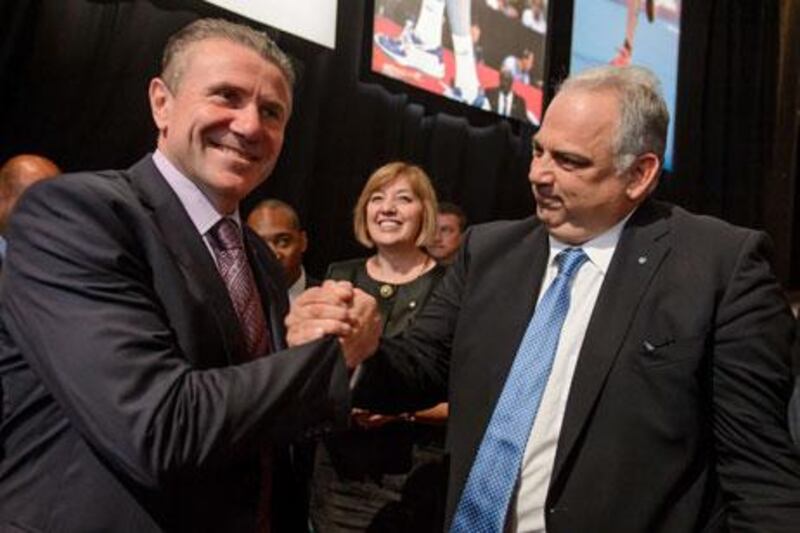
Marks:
<point>321,311</point>
<point>362,341</point>
<point>369,420</point>
<point>436,415</point>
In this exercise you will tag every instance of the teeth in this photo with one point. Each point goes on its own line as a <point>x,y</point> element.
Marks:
<point>234,150</point>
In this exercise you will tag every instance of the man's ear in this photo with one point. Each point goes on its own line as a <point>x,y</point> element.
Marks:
<point>304,239</point>
<point>160,102</point>
<point>643,176</point>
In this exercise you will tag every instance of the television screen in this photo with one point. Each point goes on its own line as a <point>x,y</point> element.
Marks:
<point>486,53</point>
<point>641,32</point>
<point>314,20</point>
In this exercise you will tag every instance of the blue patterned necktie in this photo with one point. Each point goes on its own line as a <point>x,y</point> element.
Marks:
<point>484,503</point>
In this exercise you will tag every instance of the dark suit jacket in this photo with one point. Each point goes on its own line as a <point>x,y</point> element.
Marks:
<point>676,411</point>
<point>517,104</point>
<point>312,282</point>
<point>123,409</point>
<point>794,403</point>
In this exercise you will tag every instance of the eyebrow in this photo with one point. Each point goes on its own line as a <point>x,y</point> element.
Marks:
<point>572,157</point>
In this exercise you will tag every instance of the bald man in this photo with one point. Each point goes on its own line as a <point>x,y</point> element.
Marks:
<point>278,225</point>
<point>16,175</point>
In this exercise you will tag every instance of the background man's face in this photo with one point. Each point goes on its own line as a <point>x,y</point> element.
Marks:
<point>223,124</point>
<point>276,228</point>
<point>448,238</point>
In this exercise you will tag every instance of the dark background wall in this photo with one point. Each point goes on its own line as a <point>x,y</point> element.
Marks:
<point>74,73</point>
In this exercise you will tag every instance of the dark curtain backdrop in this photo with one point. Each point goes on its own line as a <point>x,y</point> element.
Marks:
<point>74,74</point>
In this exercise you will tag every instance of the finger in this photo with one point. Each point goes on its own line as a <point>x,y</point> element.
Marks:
<point>322,310</point>
<point>343,290</point>
<point>311,330</point>
<point>329,292</point>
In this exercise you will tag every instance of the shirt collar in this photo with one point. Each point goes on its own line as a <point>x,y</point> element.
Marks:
<point>201,211</point>
<point>298,286</point>
<point>600,249</point>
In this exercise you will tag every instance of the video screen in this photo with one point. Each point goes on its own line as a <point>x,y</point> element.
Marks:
<point>623,32</point>
<point>488,54</point>
<point>314,20</point>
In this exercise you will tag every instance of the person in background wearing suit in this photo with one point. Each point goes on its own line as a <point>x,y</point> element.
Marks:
<point>504,101</point>
<point>16,175</point>
<point>614,364</point>
<point>146,381</point>
<point>451,222</point>
<point>278,225</point>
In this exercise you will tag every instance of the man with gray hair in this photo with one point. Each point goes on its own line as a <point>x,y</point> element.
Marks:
<point>615,363</point>
<point>146,383</point>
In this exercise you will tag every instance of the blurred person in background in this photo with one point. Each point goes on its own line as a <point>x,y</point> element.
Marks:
<point>451,222</point>
<point>278,225</point>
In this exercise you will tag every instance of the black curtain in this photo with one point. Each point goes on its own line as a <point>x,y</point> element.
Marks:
<point>74,74</point>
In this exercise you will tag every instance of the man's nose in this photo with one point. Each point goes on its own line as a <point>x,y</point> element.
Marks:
<point>541,169</point>
<point>247,121</point>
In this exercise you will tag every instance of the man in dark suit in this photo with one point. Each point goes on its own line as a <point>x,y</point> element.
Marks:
<point>504,100</point>
<point>146,382</point>
<point>655,359</point>
<point>794,403</point>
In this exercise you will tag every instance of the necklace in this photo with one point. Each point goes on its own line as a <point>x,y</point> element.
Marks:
<point>387,290</point>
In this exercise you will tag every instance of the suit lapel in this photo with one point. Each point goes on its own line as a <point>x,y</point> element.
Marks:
<point>642,247</point>
<point>274,296</point>
<point>506,310</point>
<point>189,251</point>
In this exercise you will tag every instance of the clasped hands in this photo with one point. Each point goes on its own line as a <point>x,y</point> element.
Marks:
<point>336,308</point>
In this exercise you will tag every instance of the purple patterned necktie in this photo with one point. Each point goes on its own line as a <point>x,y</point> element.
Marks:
<point>226,241</point>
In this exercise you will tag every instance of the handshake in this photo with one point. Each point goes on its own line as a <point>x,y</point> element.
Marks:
<point>336,308</point>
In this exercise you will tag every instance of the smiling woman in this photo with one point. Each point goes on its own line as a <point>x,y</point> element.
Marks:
<point>386,473</point>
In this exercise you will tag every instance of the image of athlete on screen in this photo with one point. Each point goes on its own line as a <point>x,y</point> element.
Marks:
<point>419,46</point>
<point>624,53</point>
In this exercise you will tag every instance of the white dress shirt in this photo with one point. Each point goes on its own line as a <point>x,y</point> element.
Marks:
<point>298,286</point>
<point>504,103</point>
<point>528,505</point>
<point>201,211</point>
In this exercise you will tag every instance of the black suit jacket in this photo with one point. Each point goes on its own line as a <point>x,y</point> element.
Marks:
<point>517,104</point>
<point>123,409</point>
<point>675,419</point>
<point>794,403</point>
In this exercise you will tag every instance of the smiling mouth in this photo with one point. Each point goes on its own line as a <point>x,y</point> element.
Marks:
<point>389,224</point>
<point>252,158</point>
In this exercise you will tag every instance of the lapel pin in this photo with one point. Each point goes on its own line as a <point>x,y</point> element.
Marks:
<point>386,290</point>
<point>642,260</point>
